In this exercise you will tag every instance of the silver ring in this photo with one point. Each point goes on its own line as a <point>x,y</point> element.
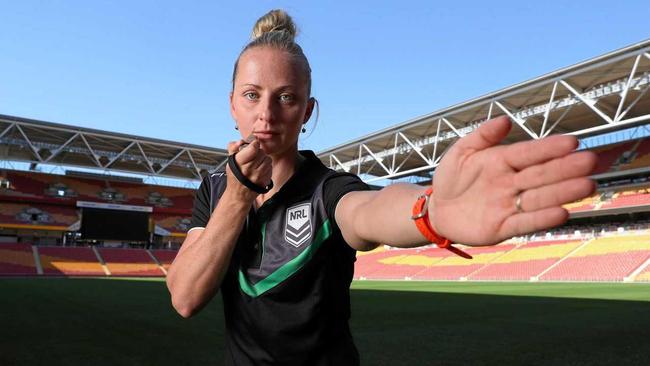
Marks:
<point>518,203</point>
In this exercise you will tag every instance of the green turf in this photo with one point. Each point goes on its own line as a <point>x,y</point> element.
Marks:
<point>131,322</point>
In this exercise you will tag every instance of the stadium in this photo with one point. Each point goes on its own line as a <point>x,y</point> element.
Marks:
<point>91,220</point>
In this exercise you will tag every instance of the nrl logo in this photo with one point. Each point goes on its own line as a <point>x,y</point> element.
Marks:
<point>298,224</point>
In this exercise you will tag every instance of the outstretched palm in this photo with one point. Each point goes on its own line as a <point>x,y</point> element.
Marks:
<point>478,181</point>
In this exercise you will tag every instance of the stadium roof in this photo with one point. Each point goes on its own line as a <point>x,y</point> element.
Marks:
<point>40,142</point>
<point>600,95</point>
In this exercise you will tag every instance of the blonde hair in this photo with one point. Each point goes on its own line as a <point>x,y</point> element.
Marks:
<point>277,30</point>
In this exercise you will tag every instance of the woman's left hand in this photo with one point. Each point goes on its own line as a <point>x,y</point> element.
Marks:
<point>478,183</point>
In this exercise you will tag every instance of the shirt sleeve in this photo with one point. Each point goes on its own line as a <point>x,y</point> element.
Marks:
<point>201,210</point>
<point>337,187</point>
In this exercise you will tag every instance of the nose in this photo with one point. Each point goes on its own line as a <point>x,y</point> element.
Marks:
<point>265,112</point>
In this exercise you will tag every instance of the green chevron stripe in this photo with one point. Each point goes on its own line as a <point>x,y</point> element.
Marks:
<point>288,268</point>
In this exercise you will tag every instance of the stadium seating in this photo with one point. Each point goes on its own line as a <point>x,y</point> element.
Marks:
<point>527,261</point>
<point>37,214</point>
<point>430,263</point>
<point>129,262</point>
<point>585,204</point>
<point>40,187</point>
<point>610,258</point>
<point>17,259</point>
<point>453,267</point>
<point>610,154</point>
<point>629,197</point>
<point>69,261</point>
<point>641,156</point>
<point>177,224</point>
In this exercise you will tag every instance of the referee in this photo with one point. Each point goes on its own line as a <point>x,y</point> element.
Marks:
<point>276,231</point>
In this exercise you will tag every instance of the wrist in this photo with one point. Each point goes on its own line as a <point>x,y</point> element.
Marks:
<point>238,197</point>
<point>421,215</point>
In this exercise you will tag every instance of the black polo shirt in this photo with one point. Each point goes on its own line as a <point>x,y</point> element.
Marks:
<point>286,293</point>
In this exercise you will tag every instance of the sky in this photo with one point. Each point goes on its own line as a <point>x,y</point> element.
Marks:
<point>163,69</point>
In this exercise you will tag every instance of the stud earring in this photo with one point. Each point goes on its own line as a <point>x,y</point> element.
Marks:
<point>236,127</point>
<point>304,130</point>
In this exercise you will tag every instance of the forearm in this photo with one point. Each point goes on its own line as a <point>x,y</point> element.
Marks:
<point>386,217</point>
<point>200,266</point>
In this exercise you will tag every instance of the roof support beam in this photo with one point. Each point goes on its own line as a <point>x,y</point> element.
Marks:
<point>11,125</point>
<point>627,87</point>
<point>92,152</point>
<point>517,120</point>
<point>110,162</point>
<point>548,109</point>
<point>146,159</point>
<point>29,142</point>
<point>60,148</point>
<point>588,102</point>
<point>170,161</point>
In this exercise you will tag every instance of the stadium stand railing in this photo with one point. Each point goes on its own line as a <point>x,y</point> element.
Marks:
<point>164,257</point>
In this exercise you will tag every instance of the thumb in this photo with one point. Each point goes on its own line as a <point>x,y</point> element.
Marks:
<point>488,134</point>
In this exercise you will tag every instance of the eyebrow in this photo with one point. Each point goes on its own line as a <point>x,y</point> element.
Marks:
<point>283,87</point>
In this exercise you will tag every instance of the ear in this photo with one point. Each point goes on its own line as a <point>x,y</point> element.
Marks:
<point>310,108</point>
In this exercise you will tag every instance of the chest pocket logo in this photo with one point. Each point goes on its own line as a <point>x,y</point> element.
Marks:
<point>297,227</point>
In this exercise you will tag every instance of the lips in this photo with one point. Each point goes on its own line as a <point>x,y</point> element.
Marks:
<point>265,135</point>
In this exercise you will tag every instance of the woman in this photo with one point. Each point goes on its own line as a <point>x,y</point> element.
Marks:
<point>283,259</point>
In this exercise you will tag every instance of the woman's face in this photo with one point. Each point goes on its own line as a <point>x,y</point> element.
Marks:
<point>270,99</point>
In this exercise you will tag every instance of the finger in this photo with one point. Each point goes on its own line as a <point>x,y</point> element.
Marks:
<point>488,134</point>
<point>571,166</point>
<point>264,160</point>
<point>556,194</point>
<point>248,153</point>
<point>524,154</point>
<point>530,222</point>
<point>233,147</point>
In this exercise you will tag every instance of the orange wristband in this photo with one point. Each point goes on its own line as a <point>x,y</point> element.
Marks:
<point>422,222</point>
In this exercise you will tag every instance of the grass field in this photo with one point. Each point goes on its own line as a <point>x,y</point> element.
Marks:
<point>130,322</point>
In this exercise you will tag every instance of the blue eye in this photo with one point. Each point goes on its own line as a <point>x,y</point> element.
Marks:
<point>286,98</point>
<point>250,95</point>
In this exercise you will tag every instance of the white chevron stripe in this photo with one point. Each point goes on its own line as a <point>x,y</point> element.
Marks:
<point>299,233</point>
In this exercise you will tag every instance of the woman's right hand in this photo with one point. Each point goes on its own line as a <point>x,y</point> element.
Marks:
<point>253,163</point>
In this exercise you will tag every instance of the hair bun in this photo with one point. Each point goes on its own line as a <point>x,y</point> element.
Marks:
<point>274,21</point>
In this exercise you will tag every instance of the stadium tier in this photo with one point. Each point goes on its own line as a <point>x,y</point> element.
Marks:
<point>610,258</point>
<point>585,204</point>
<point>175,224</point>
<point>129,262</point>
<point>52,217</point>
<point>453,267</point>
<point>48,203</point>
<point>526,262</point>
<point>69,261</point>
<point>424,263</point>
<point>17,259</point>
<point>48,188</point>
<point>638,158</point>
<point>610,155</point>
<point>628,197</point>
